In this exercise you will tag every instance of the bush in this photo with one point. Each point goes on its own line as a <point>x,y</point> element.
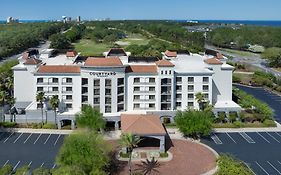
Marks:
<point>7,169</point>
<point>124,155</point>
<point>238,124</point>
<point>41,171</point>
<point>8,124</point>
<point>269,123</point>
<point>49,126</point>
<point>23,170</point>
<point>164,155</point>
<point>232,116</point>
<point>236,79</point>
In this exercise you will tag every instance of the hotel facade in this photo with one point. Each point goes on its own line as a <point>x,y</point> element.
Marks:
<point>121,84</point>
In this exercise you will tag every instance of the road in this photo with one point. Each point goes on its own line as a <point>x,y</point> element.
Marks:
<point>37,150</point>
<point>252,59</point>
<point>41,47</point>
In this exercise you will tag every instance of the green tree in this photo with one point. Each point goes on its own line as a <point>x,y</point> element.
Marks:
<point>273,55</point>
<point>40,97</point>
<point>54,103</point>
<point>194,123</point>
<point>130,141</point>
<point>90,118</point>
<point>59,41</point>
<point>24,170</point>
<point>41,171</point>
<point>3,97</point>
<point>85,150</point>
<point>7,169</point>
<point>200,100</point>
<point>11,102</point>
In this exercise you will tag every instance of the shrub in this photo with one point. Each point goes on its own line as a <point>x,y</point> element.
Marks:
<point>164,155</point>
<point>41,171</point>
<point>238,124</point>
<point>49,126</point>
<point>23,170</point>
<point>269,123</point>
<point>7,169</point>
<point>232,116</point>
<point>124,155</point>
<point>8,124</point>
<point>236,79</point>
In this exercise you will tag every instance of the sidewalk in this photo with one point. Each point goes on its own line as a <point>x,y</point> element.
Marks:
<point>37,131</point>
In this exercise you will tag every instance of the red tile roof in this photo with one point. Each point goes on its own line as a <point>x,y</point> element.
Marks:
<point>25,55</point>
<point>103,62</point>
<point>58,69</point>
<point>170,53</point>
<point>71,54</point>
<point>32,61</point>
<point>213,61</point>
<point>164,63</point>
<point>141,69</point>
<point>220,56</point>
<point>142,124</point>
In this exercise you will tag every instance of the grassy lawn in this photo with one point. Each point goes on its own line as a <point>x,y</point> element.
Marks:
<point>90,48</point>
<point>245,78</point>
<point>133,38</point>
<point>238,52</point>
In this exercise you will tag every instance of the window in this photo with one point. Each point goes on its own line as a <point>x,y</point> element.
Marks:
<point>68,105</point>
<point>136,80</point>
<point>178,88</point>
<point>136,89</point>
<point>84,90</point>
<point>151,80</point>
<point>107,109</point>
<point>120,81</point>
<point>170,72</point>
<point>120,107</point>
<point>40,80</point>
<point>151,89</point>
<point>190,88</point>
<point>96,91</point>
<point>40,89</point>
<point>178,104</point>
<point>107,91</point>
<point>136,97</point>
<point>166,72</point>
<point>162,72</point>
<point>55,80</point>
<point>151,97</point>
<point>55,89</point>
<point>120,99</point>
<point>84,98</point>
<point>205,79</point>
<point>69,89</point>
<point>96,100</point>
<point>68,80</point>
<point>190,104</point>
<point>205,88</point>
<point>190,96</point>
<point>69,97</point>
<point>151,105</point>
<point>178,96</point>
<point>107,82</point>
<point>179,79</point>
<point>39,105</point>
<point>120,90</point>
<point>84,81</point>
<point>136,106</point>
<point>190,79</point>
<point>206,96</point>
<point>107,100</point>
<point>96,82</point>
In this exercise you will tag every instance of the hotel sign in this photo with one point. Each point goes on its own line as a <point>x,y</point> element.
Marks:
<point>102,74</point>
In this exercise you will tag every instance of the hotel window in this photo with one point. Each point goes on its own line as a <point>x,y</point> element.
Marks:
<point>107,91</point>
<point>170,72</point>
<point>136,80</point>
<point>178,88</point>
<point>96,82</point>
<point>84,81</point>
<point>96,100</point>
<point>40,80</point>
<point>55,89</point>
<point>84,98</point>
<point>205,88</point>
<point>84,90</point>
<point>68,105</point>
<point>151,105</point>
<point>120,107</point>
<point>206,96</point>
<point>107,109</point>
<point>166,72</point>
<point>136,89</point>
<point>162,72</point>
<point>151,80</point>
<point>179,79</point>
<point>68,89</point>
<point>178,104</point>
<point>55,80</point>
<point>68,97</point>
<point>178,96</point>
<point>151,97</point>
<point>120,99</point>
<point>120,90</point>
<point>107,100</point>
<point>97,107</point>
<point>190,88</point>
<point>190,96</point>
<point>190,104</point>
<point>68,80</point>
<point>136,106</point>
<point>151,89</point>
<point>190,79</point>
<point>120,81</point>
<point>96,91</point>
<point>136,97</point>
<point>205,79</point>
<point>40,89</point>
<point>107,82</point>
<point>39,105</point>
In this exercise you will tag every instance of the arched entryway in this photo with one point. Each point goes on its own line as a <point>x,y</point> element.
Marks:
<point>149,142</point>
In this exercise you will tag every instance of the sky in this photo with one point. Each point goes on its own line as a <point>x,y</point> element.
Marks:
<point>142,9</point>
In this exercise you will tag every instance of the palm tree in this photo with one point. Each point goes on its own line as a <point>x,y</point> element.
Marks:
<point>3,97</point>
<point>129,141</point>
<point>200,99</point>
<point>9,84</point>
<point>54,102</point>
<point>148,166</point>
<point>11,101</point>
<point>40,97</point>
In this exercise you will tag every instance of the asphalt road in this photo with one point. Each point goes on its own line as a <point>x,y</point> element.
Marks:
<point>36,150</point>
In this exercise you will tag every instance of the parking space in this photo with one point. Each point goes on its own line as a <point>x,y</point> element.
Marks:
<point>36,150</point>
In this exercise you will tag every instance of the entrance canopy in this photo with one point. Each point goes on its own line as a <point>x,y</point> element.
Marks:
<point>143,125</point>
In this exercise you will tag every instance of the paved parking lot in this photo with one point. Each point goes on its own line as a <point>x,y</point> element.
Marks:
<point>36,150</point>
<point>260,150</point>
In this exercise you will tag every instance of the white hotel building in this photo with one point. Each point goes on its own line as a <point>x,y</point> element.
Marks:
<point>121,84</point>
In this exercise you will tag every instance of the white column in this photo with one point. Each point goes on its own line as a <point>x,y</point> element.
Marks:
<point>162,144</point>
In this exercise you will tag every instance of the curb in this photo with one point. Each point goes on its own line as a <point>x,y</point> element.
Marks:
<point>37,131</point>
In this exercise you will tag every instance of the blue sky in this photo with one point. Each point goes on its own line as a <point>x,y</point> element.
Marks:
<point>143,9</point>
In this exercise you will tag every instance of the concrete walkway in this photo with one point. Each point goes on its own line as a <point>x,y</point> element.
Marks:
<point>36,131</point>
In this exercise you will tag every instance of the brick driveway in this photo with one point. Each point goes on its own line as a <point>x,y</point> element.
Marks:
<point>189,158</point>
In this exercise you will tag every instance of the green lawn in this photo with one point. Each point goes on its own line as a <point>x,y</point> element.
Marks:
<point>91,48</point>
<point>238,52</point>
<point>133,38</point>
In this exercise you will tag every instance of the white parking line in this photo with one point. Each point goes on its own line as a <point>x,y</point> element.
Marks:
<point>15,167</point>
<point>273,167</point>
<point>57,140</point>
<point>278,134</point>
<point>27,138</point>
<point>261,167</point>
<point>47,139</point>
<point>263,137</point>
<point>250,169</point>
<point>8,137</point>
<point>216,139</point>
<point>30,163</point>
<point>42,164</point>
<point>273,137</point>
<point>54,166</point>
<point>246,137</point>
<point>230,137</point>
<point>18,138</point>
<point>279,162</point>
<point>37,138</point>
<point>6,163</point>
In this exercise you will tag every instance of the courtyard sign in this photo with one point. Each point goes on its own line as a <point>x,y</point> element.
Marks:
<point>102,74</point>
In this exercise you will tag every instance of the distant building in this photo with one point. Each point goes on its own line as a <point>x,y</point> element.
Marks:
<point>78,18</point>
<point>12,20</point>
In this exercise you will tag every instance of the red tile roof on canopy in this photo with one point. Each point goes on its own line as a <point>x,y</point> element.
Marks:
<point>170,53</point>
<point>58,69</point>
<point>103,62</point>
<point>220,56</point>
<point>32,61</point>
<point>142,124</point>
<point>71,54</point>
<point>164,63</point>
<point>213,61</point>
<point>141,69</point>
